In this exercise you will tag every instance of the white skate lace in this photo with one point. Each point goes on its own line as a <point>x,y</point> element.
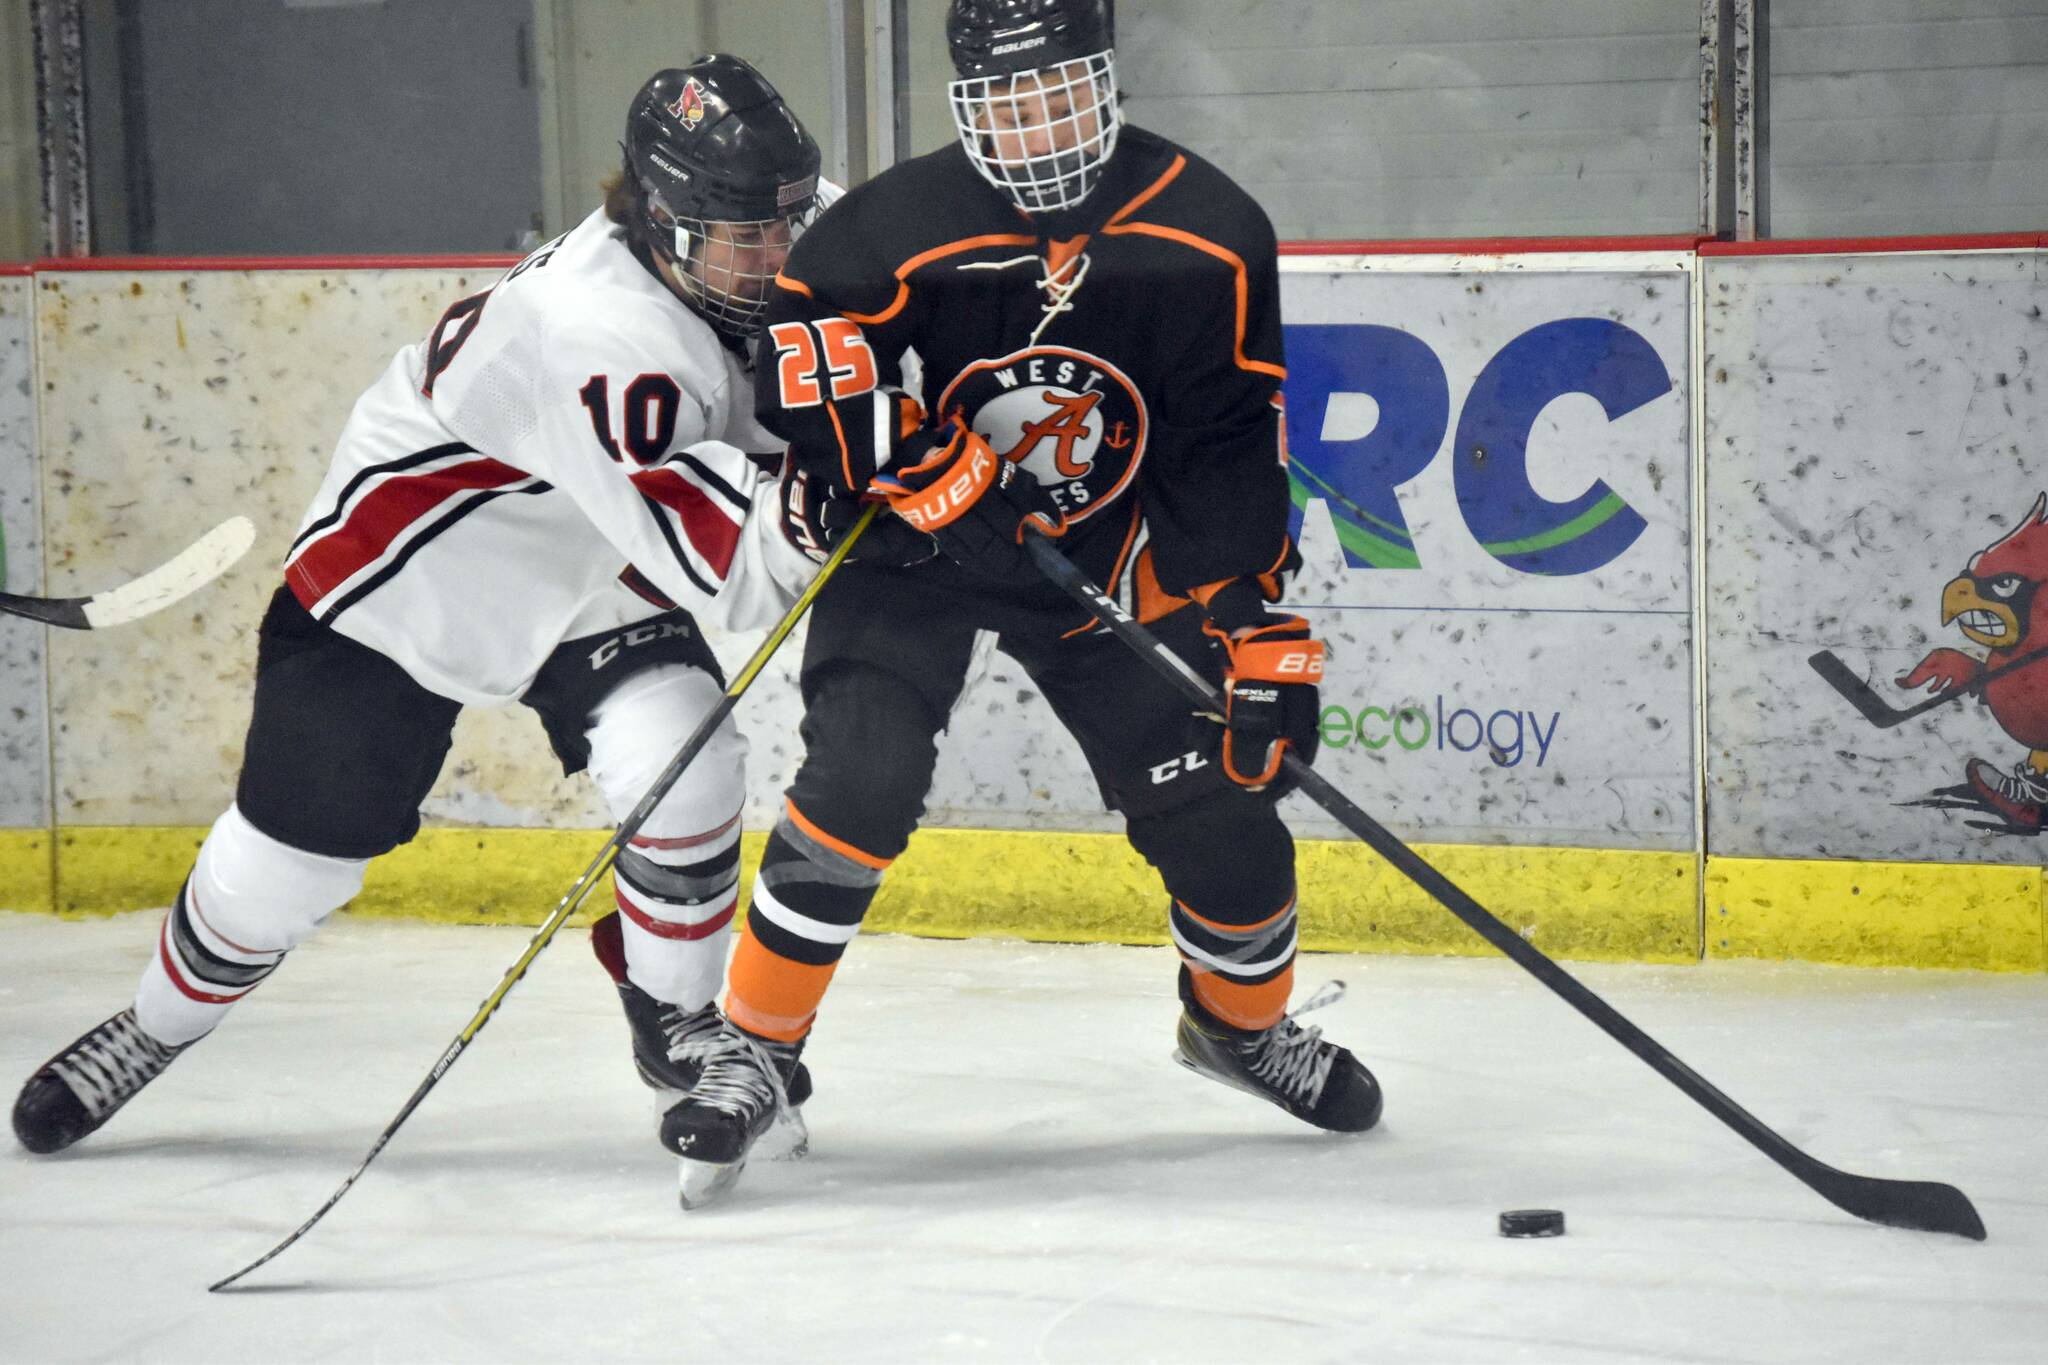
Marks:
<point>741,1077</point>
<point>107,1066</point>
<point>1294,1059</point>
<point>690,1035</point>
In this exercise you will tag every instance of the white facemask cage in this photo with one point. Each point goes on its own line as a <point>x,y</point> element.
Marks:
<point>995,115</point>
<point>727,267</point>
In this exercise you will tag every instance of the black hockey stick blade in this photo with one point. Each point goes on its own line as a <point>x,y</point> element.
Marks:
<point>204,560</point>
<point>1894,1203</point>
<point>1882,713</point>
<point>545,934</point>
<point>1921,1205</point>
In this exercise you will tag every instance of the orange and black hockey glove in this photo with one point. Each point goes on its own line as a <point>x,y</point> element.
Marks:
<point>1271,693</point>
<point>955,492</point>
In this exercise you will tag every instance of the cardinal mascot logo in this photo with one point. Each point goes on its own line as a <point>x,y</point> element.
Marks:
<point>689,105</point>
<point>1991,602</point>
<point>1072,421</point>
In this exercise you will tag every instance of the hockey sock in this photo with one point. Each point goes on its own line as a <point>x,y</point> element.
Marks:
<point>809,899</point>
<point>196,975</point>
<point>676,899</point>
<point>1242,974</point>
<point>249,900</point>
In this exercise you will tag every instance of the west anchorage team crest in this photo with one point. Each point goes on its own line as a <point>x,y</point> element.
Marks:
<point>1073,421</point>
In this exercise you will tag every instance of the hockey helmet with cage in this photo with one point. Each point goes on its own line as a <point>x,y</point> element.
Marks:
<point>723,178</point>
<point>1034,96</point>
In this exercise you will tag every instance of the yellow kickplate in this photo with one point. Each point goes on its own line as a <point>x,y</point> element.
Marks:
<point>28,879</point>
<point>105,869</point>
<point>1086,888</point>
<point>1092,888</point>
<point>1876,914</point>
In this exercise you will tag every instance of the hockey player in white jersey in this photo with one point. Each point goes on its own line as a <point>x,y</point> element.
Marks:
<point>539,502</point>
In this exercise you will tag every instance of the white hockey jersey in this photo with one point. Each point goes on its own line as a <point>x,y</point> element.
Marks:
<point>493,493</point>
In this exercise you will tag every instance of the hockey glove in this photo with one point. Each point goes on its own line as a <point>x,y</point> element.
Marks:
<point>956,494</point>
<point>1270,684</point>
<point>816,515</point>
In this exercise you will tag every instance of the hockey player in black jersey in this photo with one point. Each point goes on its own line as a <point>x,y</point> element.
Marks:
<point>1094,312</point>
<point>538,502</point>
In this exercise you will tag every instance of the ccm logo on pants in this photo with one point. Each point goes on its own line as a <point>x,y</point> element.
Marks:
<point>633,639</point>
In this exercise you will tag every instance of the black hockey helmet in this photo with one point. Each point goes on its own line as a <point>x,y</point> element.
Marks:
<point>1045,67</point>
<point>999,37</point>
<point>720,171</point>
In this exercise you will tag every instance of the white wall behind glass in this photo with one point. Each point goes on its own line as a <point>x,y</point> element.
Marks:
<point>1900,116</point>
<point>1428,118</point>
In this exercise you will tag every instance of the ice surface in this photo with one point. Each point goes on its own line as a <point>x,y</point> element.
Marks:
<point>1005,1166</point>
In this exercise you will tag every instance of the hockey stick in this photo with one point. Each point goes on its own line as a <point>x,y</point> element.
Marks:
<point>602,864</point>
<point>204,560</point>
<point>1882,713</point>
<point>1895,1203</point>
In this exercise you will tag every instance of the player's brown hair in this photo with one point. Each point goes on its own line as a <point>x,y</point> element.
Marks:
<point>618,199</point>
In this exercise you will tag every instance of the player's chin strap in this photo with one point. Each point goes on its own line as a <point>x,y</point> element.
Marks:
<point>605,858</point>
<point>1923,1205</point>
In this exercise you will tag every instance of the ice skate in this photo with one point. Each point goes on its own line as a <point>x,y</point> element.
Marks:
<point>670,1043</point>
<point>1288,1065</point>
<point>2020,796</point>
<point>744,1089</point>
<point>79,1089</point>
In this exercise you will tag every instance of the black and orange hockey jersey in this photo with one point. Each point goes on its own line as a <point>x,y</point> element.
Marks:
<point>1126,353</point>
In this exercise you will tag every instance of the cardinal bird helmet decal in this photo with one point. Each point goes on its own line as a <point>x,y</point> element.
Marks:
<point>688,106</point>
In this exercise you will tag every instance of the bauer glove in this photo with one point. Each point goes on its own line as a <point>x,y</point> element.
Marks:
<point>817,514</point>
<point>1271,701</point>
<point>956,493</point>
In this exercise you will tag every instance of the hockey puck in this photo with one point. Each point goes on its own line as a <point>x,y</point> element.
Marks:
<point>1532,1223</point>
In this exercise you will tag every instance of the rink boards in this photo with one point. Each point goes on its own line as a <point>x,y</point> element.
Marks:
<point>1573,520</point>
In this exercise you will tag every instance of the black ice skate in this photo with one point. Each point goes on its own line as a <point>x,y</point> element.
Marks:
<point>1291,1066</point>
<point>746,1085</point>
<point>79,1089</point>
<point>669,1042</point>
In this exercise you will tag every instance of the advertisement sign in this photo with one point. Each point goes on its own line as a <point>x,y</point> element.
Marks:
<point>1492,488</point>
<point>1875,470</point>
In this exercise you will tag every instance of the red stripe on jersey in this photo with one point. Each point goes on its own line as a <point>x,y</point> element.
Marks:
<point>381,517</point>
<point>711,530</point>
<point>662,928</point>
<point>186,988</point>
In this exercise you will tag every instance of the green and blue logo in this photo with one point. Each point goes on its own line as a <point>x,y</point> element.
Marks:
<point>1356,477</point>
<point>1508,735</point>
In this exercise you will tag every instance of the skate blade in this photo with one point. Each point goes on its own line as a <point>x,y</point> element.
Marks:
<point>699,1183</point>
<point>786,1139</point>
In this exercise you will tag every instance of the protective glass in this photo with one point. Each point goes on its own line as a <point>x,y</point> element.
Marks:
<point>1042,137</point>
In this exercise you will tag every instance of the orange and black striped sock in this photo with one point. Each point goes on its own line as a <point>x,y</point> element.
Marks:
<point>1241,973</point>
<point>809,899</point>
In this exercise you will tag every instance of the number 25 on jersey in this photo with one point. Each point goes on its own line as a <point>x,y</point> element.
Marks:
<point>811,357</point>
